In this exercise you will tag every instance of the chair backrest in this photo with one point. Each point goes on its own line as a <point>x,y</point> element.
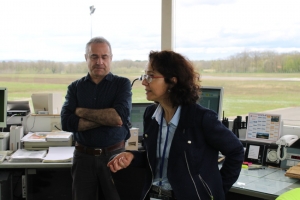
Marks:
<point>293,194</point>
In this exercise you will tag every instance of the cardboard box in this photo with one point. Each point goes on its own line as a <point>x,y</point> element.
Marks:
<point>132,142</point>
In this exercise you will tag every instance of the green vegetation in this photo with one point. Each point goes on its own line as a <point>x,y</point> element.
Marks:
<point>243,94</point>
<point>244,62</point>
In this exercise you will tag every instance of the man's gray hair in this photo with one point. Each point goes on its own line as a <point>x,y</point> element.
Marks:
<point>97,40</point>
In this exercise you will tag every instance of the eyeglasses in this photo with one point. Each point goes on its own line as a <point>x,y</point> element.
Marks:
<point>149,78</point>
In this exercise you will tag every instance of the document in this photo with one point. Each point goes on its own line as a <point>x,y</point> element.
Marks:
<point>35,137</point>
<point>47,136</point>
<point>58,136</point>
<point>23,155</point>
<point>59,154</point>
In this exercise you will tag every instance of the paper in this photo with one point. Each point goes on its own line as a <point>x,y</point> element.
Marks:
<point>42,136</point>
<point>58,136</point>
<point>59,154</point>
<point>23,155</point>
<point>253,151</point>
<point>263,127</point>
<point>35,137</point>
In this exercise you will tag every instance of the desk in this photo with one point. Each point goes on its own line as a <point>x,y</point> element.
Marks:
<point>265,183</point>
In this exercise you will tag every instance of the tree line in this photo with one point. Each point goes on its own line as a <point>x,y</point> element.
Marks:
<point>244,62</point>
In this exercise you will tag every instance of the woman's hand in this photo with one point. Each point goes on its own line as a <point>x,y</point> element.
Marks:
<point>121,161</point>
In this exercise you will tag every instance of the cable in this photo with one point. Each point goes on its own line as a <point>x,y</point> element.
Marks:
<point>278,152</point>
<point>9,119</point>
<point>33,123</point>
<point>57,128</point>
<point>140,78</point>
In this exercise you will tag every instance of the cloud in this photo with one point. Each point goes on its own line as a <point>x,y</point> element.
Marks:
<point>207,29</point>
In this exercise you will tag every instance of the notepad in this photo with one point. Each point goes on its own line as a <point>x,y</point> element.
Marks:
<point>59,154</point>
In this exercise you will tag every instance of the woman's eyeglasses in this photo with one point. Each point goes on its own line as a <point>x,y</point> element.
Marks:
<point>149,78</point>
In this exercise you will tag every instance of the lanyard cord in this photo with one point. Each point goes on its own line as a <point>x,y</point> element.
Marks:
<point>165,147</point>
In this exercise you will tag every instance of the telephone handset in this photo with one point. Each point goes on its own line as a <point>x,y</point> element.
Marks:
<point>286,140</point>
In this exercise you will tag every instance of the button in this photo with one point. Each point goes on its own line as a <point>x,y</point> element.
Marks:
<point>146,135</point>
<point>189,142</point>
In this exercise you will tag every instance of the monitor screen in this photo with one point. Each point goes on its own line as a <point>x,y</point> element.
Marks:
<point>212,98</point>
<point>137,114</point>
<point>3,107</point>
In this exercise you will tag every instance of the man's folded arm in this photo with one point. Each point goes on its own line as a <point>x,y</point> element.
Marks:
<point>103,117</point>
<point>85,124</point>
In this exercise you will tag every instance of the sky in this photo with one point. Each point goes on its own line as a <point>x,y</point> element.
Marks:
<point>57,30</point>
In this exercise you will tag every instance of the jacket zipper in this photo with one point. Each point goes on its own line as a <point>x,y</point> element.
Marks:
<point>203,182</point>
<point>151,175</point>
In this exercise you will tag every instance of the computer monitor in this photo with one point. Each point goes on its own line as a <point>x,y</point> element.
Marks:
<point>3,107</point>
<point>47,103</point>
<point>137,114</point>
<point>212,98</point>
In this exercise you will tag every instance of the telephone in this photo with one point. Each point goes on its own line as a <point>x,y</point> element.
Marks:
<point>286,140</point>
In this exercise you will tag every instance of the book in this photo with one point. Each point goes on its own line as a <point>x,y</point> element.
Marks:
<point>59,136</point>
<point>59,154</point>
<point>23,155</point>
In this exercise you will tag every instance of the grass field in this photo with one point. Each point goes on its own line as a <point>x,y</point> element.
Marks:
<point>241,93</point>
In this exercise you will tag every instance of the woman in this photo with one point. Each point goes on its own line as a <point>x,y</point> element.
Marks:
<point>182,139</point>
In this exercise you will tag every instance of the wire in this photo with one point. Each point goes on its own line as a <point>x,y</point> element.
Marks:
<point>8,120</point>
<point>33,123</point>
<point>57,128</point>
<point>139,78</point>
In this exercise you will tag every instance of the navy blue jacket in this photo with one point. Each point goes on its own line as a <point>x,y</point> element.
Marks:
<point>193,170</point>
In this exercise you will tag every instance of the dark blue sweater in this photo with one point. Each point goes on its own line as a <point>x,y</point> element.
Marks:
<point>112,92</point>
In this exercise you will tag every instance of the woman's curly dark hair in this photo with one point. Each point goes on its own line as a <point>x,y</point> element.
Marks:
<point>171,64</point>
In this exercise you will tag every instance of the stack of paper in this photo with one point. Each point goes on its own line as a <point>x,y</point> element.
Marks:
<point>37,140</point>
<point>58,136</point>
<point>23,155</point>
<point>59,154</point>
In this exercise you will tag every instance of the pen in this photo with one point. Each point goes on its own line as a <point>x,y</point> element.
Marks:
<point>254,168</point>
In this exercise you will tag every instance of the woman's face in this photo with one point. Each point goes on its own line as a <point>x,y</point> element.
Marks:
<point>157,89</point>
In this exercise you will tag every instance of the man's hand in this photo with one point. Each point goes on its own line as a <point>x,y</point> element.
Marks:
<point>121,161</point>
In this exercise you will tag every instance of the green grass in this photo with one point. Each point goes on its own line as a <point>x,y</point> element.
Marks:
<point>240,96</point>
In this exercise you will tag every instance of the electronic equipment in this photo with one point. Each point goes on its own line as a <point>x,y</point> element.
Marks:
<point>255,153</point>
<point>137,116</point>
<point>18,108</point>
<point>271,158</point>
<point>212,98</point>
<point>17,113</point>
<point>3,107</point>
<point>4,141</point>
<point>286,141</point>
<point>292,158</point>
<point>47,103</point>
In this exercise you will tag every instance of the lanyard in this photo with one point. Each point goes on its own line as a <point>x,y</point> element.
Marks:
<point>165,147</point>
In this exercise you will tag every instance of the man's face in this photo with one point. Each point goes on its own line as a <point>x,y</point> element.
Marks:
<point>98,60</point>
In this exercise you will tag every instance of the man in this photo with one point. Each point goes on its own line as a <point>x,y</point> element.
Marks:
<point>96,110</point>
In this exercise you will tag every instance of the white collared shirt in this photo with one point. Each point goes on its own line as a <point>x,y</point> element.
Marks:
<point>172,127</point>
